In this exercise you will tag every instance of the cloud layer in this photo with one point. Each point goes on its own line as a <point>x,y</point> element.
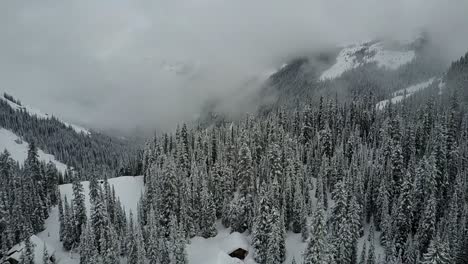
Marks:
<point>149,64</point>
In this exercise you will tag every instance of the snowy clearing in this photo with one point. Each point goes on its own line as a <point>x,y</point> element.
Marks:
<point>19,149</point>
<point>215,250</point>
<point>400,95</point>
<point>35,112</point>
<point>357,55</point>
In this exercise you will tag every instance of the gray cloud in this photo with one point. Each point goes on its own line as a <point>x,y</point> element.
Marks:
<point>121,64</point>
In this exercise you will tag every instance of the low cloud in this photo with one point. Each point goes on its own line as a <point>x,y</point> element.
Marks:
<point>123,65</point>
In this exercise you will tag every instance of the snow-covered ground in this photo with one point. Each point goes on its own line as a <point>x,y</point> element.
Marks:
<point>345,61</point>
<point>19,149</point>
<point>356,55</point>
<point>51,236</point>
<point>215,250</point>
<point>399,95</point>
<point>35,112</point>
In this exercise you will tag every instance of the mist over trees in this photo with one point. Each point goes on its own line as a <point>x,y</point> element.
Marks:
<point>346,176</point>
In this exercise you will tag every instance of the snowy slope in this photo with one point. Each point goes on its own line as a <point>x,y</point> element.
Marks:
<point>355,55</point>
<point>51,236</point>
<point>35,112</point>
<point>390,59</point>
<point>19,149</point>
<point>399,95</point>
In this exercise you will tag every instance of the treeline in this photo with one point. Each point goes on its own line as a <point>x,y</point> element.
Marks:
<point>299,79</point>
<point>89,154</point>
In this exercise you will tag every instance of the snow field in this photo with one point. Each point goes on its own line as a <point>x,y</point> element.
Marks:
<point>348,59</point>
<point>400,95</point>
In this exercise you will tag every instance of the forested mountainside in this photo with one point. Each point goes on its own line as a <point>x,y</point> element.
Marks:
<point>457,77</point>
<point>329,171</point>
<point>374,68</point>
<point>360,181</point>
<point>87,152</point>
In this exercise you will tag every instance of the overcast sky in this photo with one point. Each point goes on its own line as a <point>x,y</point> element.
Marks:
<point>121,64</point>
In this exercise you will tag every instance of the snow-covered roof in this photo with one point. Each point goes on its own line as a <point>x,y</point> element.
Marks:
<point>16,251</point>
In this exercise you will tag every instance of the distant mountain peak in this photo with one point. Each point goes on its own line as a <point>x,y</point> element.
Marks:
<point>379,52</point>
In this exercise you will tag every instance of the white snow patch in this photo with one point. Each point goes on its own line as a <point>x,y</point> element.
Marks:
<point>295,247</point>
<point>345,61</point>
<point>348,58</point>
<point>51,236</point>
<point>18,149</point>
<point>390,59</point>
<point>400,95</point>
<point>35,112</point>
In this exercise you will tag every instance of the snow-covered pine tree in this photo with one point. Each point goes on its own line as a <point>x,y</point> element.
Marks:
<point>79,209</point>
<point>137,254</point>
<point>298,213</point>
<point>208,214</point>
<point>276,251</point>
<point>88,250</point>
<point>27,255</point>
<point>404,216</point>
<point>262,225</point>
<point>68,224</point>
<point>437,253</point>
<point>316,251</point>
<point>152,241</point>
<point>427,226</point>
